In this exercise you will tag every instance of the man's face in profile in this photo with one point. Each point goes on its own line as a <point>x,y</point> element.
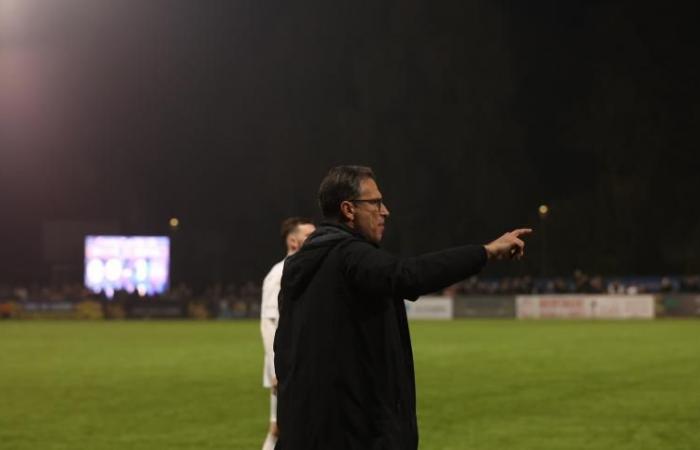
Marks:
<point>297,237</point>
<point>370,211</point>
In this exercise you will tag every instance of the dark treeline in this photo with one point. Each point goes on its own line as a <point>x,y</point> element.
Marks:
<point>473,113</point>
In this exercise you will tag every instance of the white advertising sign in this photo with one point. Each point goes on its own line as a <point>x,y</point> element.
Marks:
<point>583,306</point>
<point>430,307</point>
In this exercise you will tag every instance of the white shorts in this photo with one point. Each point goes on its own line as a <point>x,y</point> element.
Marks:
<point>273,406</point>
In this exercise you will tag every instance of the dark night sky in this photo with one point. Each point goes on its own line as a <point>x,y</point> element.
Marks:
<point>227,114</point>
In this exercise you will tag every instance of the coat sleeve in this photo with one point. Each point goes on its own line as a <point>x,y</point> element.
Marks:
<point>376,272</point>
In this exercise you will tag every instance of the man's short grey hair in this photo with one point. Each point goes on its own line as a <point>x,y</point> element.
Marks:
<point>342,183</point>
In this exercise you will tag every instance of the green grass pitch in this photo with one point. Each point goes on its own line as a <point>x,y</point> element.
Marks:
<point>486,385</point>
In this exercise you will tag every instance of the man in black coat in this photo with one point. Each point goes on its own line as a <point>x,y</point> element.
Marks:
<point>342,349</point>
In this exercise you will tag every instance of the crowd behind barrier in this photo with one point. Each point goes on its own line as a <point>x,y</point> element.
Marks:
<point>76,301</point>
<point>578,283</point>
<point>243,301</point>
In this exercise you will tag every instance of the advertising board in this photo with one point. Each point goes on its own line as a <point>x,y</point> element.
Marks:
<point>429,307</point>
<point>583,306</point>
<point>485,306</point>
<point>679,305</point>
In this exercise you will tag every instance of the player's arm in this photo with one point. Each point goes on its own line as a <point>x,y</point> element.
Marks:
<point>268,326</point>
<point>268,319</point>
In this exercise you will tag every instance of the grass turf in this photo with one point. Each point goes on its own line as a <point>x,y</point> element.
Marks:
<point>481,385</point>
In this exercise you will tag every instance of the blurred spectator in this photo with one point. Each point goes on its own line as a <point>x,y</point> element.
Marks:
<point>579,282</point>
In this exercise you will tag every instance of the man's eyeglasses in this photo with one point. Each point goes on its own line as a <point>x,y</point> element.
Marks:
<point>376,202</point>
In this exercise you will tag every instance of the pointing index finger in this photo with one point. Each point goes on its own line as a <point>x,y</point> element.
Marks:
<point>521,231</point>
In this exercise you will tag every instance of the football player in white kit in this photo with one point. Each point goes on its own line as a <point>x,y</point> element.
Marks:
<point>294,231</point>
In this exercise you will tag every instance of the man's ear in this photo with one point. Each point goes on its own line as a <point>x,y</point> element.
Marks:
<point>291,243</point>
<point>347,210</point>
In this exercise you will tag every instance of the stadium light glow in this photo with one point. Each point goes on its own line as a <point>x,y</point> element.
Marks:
<point>14,14</point>
<point>174,222</point>
<point>543,210</point>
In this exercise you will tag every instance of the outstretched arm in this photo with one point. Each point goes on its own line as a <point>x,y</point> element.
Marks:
<point>377,272</point>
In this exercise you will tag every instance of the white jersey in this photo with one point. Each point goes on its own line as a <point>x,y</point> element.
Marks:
<point>269,314</point>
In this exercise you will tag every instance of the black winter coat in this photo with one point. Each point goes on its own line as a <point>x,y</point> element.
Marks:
<point>342,349</point>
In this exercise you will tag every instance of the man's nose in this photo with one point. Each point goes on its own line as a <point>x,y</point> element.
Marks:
<point>384,211</point>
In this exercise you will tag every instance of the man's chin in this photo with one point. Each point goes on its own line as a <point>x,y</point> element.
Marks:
<point>375,237</point>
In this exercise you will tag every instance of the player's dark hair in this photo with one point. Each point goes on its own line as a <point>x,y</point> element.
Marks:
<point>290,224</point>
<point>340,184</point>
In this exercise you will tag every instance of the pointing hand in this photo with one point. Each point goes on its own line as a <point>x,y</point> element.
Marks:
<point>508,246</point>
